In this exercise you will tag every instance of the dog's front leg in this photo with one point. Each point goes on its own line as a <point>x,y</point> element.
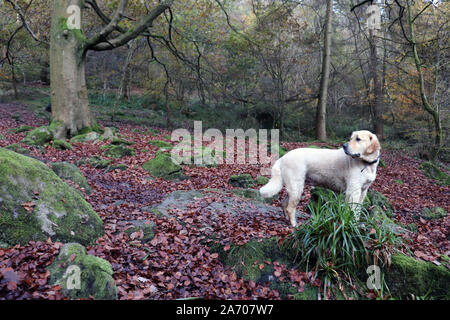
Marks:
<point>353,197</point>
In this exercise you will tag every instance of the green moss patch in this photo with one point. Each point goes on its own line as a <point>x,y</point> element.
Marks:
<point>160,144</point>
<point>38,137</point>
<point>61,145</point>
<point>433,213</point>
<point>86,137</point>
<point>117,151</point>
<point>434,172</point>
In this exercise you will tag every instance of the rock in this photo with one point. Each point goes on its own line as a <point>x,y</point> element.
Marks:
<point>81,275</point>
<point>108,133</point>
<point>36,204</point>
<point>119,141</point>
<point>379,201</point>
<point>242,181</point>
<point>433,213</point>
<point>254,194</point>
<point>86,137</point>
<point>98,162</point>
<point>162,166</point>
<point>146,227</point>
<point>408,276</point>
<point>38,137</point>
<point>432,171</point>
<point>68,171</point>
<point>61,145</point>
<point>119,166</point>
<point>117,151</point>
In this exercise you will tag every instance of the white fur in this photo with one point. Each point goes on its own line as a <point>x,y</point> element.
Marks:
<point>332,169</point>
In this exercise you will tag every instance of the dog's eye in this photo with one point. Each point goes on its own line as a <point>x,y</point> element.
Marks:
<point>358,139</point>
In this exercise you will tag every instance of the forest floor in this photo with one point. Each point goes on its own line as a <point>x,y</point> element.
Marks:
<point>176,263</point>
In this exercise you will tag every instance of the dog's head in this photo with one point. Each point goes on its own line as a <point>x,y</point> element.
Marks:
<point>364,145</point>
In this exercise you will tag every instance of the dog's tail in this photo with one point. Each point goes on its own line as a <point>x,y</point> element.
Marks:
<point>275,183</point>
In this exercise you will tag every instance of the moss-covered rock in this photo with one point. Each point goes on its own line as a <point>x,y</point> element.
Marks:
<point>117,151</point>
<point>162,166</point>
<point>118,166</point>
<point>81,275</point>
<point>408,276</point>
<point>434,172</point>
<point>433,213</point>
<point>68,171</point>
<point>98,162</point>
<point>86,137</point>
<point>38,137</point>
<point>61,144</point>
<point>36,204</point>
<point>242,180</point>
<point>146,227</point>
<point>253,194</point>
<point>376,201</point>
<point>120,141</point>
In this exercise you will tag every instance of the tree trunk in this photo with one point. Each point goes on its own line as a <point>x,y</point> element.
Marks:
<point>67,72</point>
<point>377,93</point>
<point>321,131</point>
<point>425,102</point>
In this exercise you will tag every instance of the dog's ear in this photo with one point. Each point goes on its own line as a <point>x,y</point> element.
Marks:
<point>373,150</point>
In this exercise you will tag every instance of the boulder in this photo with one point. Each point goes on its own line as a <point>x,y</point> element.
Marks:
<point>117,151</point>
<point>242,180</point>
<point>86,137</point>
<point>433,171</point>
<point>68,171</point>
<point>38,137</point>
<point>61,144</point>
<point>408,276</point>
<point>162,166</point>
<point>81,275</point>
<point>36,204</point>
<point>17,148</point>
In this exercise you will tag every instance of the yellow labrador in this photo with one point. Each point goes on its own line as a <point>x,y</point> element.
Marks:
<point>351,169</point>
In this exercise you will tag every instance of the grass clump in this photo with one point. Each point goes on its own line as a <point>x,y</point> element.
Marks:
<point>335,245</point>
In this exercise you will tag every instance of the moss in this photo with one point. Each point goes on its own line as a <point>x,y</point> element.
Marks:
<point>147,229</point>
<point>253,194</point>
<point>95,274</point>
<point>23,179</point>
<point>309,293</point>
<point>17,148</point>
<point>98,162</point>
<point>85,137</point>
<point>119,166</point>
<point>118,141</point>
<point>377,201</point>
<point>160,144</point>
<point>21,129</point>
<point>38,137</point>
<point>408,276</point>
<point>118,151</point>
<point>68,171</point>
<point>162,166</point>
<point>433,213</point>
<point>243,180</point>
<point>432,171</point>
<point>61,145</point>
<point>261,180</point>
<point>412,227</point>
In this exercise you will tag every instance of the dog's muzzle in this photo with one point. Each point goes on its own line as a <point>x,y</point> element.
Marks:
<point>353,155</point>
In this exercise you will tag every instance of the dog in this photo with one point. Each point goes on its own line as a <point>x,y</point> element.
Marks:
<point>350,169</point>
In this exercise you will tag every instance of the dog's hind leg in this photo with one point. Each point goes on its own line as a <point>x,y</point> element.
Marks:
<point>294,193</point>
